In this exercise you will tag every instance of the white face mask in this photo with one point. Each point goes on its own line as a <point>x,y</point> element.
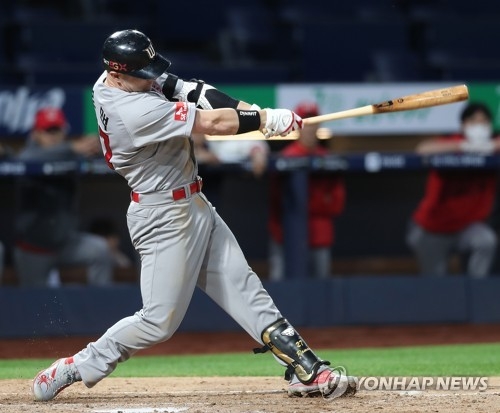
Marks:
<point>478,132</point>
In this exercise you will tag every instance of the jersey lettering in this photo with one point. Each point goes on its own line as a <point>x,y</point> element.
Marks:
<point>104,118</point>
<point>107,154</point>
<point>181,111</point>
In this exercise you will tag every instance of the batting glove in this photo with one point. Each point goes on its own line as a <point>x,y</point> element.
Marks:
<point>280,122</point>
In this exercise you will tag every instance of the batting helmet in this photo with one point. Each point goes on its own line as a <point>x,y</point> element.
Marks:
<point>131,52</point>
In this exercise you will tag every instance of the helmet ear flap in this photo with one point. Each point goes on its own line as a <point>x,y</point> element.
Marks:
<point>132,52</point>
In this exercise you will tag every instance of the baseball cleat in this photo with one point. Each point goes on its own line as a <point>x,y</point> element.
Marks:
<point>49,382</point>
<point>329,383</point>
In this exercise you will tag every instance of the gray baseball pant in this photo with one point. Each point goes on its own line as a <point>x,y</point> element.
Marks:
<point>182,245</point>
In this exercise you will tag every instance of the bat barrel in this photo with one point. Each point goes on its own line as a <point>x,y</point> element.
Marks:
<point>424,100</point>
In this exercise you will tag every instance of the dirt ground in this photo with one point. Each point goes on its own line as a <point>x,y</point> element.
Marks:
<point>249,394</point>
<point>242,394</point>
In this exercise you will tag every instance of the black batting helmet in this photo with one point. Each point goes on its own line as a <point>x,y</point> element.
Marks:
<point>131,52</point>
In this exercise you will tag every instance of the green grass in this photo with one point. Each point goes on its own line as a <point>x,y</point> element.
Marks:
<point>449,360</point>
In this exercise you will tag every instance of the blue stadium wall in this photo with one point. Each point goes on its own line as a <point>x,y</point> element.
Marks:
<point>358,300</point>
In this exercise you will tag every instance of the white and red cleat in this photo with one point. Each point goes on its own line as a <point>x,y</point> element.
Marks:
<point>329,383</point>
<point>49,382</point>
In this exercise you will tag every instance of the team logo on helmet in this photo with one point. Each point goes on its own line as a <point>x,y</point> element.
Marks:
<point>150,51</point>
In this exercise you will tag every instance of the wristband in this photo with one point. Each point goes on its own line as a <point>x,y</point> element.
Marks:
<point>249,120</point>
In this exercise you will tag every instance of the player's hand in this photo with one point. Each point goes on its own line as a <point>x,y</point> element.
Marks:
<point>280,122</point>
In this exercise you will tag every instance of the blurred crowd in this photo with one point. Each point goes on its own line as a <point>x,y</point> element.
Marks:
<point>48,234</point>
<point>272,41</point>
<point>452,220</point>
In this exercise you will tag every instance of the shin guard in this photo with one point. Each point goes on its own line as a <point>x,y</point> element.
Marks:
<point>286,344</point>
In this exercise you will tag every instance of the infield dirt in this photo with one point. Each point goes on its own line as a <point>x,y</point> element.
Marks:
<point>241,394</point>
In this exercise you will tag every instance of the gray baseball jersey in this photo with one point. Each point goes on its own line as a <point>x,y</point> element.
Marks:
<point>183,243</point>
<point>145,138</point>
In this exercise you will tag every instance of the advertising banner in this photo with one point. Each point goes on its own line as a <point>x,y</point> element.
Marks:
<point>18,106</point>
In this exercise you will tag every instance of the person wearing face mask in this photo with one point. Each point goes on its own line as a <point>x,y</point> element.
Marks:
<point>452,216</point>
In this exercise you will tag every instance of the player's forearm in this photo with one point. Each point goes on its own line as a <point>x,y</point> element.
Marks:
<point>228,121</point>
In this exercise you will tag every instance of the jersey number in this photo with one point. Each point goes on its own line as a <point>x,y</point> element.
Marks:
<point>108,154</point>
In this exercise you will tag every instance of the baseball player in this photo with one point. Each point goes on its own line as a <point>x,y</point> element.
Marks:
<point>145,118</point>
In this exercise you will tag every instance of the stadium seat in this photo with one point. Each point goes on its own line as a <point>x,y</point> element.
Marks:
<point>56,50</point>
<point>399,66</point>
<point>342,49</point>
<point>461,43</point>
<point>250,35</point>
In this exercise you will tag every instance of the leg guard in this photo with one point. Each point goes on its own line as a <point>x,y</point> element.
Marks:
<point>286,344</point>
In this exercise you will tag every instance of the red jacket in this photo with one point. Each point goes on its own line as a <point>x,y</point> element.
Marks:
<point>455,199</point>
<point>326,201</point>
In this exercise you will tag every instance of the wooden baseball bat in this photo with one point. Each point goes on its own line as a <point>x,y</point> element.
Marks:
<point>411,102</point>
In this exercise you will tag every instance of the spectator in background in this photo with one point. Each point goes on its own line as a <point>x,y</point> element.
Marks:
<point>256,152</point>
<point>208,160</point>
<point>452,216</point>
<point>106,228</point>
<point>46,222</point>
<point>326,201</point>
<point>202,151</point>
<point>213,153</point>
